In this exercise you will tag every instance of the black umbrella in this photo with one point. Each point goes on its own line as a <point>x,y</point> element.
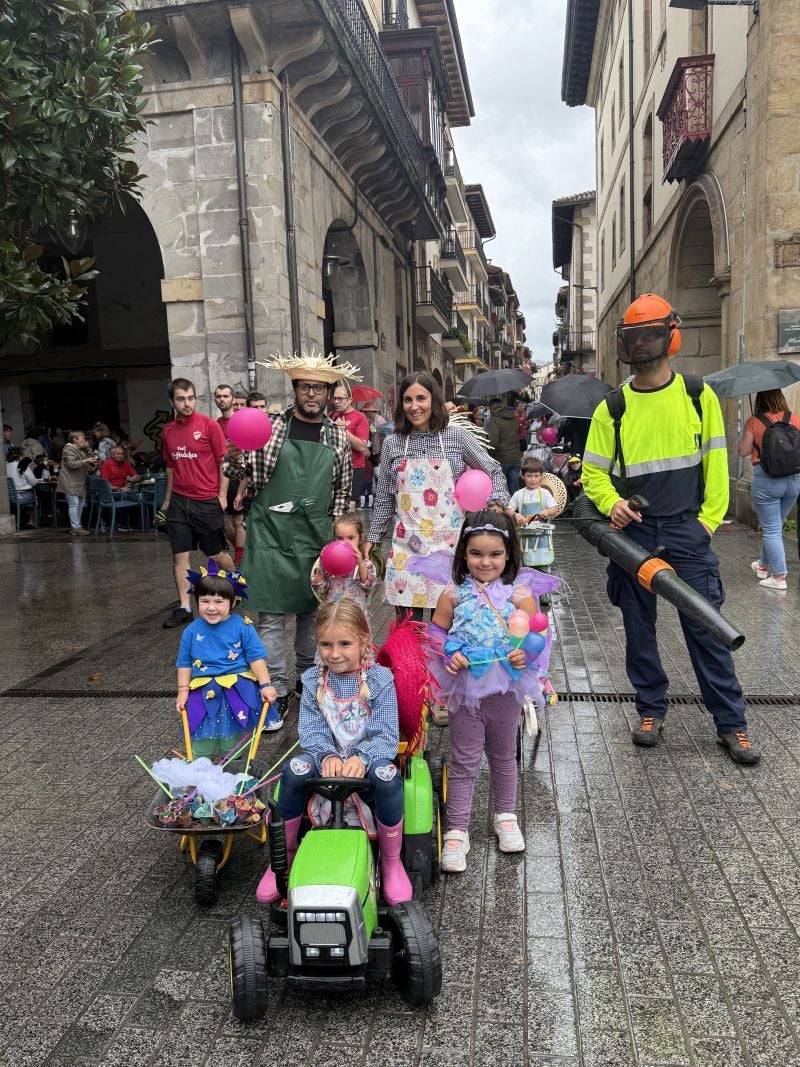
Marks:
<point>494,383</point>
<point>755,376</point>
<point>539,411</point>
<point>575,395</point>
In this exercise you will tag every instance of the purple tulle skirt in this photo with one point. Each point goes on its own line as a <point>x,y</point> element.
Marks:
<point>466,691</point>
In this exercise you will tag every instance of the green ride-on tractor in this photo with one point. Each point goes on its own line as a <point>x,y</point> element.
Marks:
<point>333,932</point>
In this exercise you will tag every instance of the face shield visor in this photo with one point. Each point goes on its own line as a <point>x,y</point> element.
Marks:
<point>644,342</point>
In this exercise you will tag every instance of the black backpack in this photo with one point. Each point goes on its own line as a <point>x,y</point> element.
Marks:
<point>615,401</point>
<point>780,447</point>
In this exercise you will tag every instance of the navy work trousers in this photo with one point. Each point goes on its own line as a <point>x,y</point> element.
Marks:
<point>689,551</point>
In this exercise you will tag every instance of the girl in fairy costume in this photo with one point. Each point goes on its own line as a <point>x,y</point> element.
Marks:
<point>223,680</point>
<point>483,675</point>
<point>348,728</point>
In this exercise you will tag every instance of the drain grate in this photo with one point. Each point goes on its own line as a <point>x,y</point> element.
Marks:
<point>756,700</point>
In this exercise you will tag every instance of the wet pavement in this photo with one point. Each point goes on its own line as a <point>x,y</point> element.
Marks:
<point>653,919</point>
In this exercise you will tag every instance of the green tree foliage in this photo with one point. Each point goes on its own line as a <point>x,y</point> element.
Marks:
<point>69,111</point>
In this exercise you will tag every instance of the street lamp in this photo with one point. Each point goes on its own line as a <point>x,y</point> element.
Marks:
<point>73,233</point>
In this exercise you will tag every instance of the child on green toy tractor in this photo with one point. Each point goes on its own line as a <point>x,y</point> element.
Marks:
<point>348,728</point>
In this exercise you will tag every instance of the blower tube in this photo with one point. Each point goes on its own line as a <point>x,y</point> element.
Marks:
<point>278,858</point>
<point>652,572</point>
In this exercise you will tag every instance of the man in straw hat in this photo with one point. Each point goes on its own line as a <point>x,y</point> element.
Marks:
<point>302,479</point>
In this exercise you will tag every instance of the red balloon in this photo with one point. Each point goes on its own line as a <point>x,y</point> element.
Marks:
<point>549,435</point>
<point>539,622</point>
<point>338,559</point>
<point>249,429</point>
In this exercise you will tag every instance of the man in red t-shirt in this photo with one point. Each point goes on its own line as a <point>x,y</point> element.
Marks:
<point>225,399</point>
<point>193,448</point>
<point>357,429</point>
<point>117,471</point>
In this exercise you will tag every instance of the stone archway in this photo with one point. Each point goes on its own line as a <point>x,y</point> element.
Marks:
<point>437,375</point>
<point>349,328</point>
<point>699,277</point>
<point>449,388</point>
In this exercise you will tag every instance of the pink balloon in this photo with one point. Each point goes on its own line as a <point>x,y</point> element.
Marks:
<point>473,490</point>
<point>249,428</point>
<point>539,622</point>
<point>549,435</point>
<point>519,623</point>
<point>338,558</point>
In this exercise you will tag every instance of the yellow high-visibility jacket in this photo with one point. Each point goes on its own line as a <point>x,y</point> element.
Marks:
<point>670,458</point>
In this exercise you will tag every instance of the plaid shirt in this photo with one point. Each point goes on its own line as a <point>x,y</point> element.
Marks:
<point>258,466</point>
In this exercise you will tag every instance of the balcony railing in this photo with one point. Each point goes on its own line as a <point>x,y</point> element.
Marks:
<point>357,30</point>
<point>472,297</point>
<point>451,169</point>
<point>686,112</point>
<point>471,241</point>
<point>479,350</point>
<point>432,290</point>
<point>573,341</point>
<point>457,326</point>
<point>451,249</point>
<point>395,14</point>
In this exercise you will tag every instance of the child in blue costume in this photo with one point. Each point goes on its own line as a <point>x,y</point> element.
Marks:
<point>483,675</point>
<point>223,681</point>
<point>348,728</point>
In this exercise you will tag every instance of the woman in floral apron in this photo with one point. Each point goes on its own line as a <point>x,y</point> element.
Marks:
<point>420,463</point>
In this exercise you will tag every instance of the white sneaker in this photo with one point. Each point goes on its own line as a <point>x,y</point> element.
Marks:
<point>455,846</point>
<point>759,568</point>
<point>774,583</point>
<point>509,836</point>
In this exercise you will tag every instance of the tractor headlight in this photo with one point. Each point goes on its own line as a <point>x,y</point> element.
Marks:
<point>326,922</point>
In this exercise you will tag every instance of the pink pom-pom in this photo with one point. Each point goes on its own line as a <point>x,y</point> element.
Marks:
<point>338,558</point>
<point>249,429</point>
<point>473,490</point>
<point>518,623</point>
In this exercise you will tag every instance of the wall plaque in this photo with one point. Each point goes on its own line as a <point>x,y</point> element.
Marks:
<point>787,253</point>
<point>789,331</point>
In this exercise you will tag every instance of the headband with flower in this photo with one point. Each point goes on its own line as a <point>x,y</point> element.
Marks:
<point>212,570</point>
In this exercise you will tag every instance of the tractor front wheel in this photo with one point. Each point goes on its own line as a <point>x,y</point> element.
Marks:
<point>248,968</point>
<point>416,963</point>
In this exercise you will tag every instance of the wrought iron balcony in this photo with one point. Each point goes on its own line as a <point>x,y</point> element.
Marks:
<point>451,168</point>
<point>395,14</point>
<point>575,341</point>
<point>686,112</point>
<point>479,350</point>
<point>472,243</point>
<point>451,249</point>
<point>434,301</point>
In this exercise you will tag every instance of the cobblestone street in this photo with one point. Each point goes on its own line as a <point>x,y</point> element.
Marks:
<point>652,920</point>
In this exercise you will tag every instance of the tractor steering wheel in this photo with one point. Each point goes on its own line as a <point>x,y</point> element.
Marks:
<point>334,789</point>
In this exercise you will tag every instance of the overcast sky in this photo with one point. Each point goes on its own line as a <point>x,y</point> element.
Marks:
<point>524,145</point>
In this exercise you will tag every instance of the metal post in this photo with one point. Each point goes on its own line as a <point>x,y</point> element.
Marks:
<point>244,223</point>
<point>288,196</point>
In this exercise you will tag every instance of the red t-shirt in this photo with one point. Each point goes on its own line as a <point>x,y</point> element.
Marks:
<point>116,473</point>
<point>757,429</point>
<point>523,425</point>
<point>193,449</point>
<point>356,423</point>
<point>222,422</point>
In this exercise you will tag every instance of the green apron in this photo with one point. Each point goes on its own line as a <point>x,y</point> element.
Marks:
<point>282,545</point>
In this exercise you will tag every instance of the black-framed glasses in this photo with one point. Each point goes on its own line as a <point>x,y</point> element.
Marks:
<point>312,390</point>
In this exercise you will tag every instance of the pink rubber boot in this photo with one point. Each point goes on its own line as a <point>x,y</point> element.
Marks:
<point>267,889</point>
<point>394,880</point>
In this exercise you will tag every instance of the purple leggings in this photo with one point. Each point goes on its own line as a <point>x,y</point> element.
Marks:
<point>494,728</point>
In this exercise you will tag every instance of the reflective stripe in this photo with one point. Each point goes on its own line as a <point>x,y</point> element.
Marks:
<point>599,461</point>
<point>714,442</point>
<point>660,466</point>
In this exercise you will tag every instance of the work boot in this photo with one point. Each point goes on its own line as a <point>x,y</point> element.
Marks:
<point>394,880</point>
<point>648,731</point>
<point>267,890</point>
<point>739,747</point>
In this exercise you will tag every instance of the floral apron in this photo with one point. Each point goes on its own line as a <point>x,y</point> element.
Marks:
<point>428,520</point>
<point>537,549</point>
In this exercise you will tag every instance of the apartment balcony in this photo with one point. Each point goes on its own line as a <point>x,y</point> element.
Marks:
<point>453,262</point>
<point>451,339</point>
<point>575,342</point>
<point>395,14</point>
<point>456,199</point>
<point>686,112</point>
<point>472,302</point>
<point>434,301</point>
<point>473,246</point>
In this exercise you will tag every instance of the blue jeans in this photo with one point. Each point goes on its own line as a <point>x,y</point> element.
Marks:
<point>511,471</point>
<point>386,791</point>
<point>75,508</point>
<point>773,499</point>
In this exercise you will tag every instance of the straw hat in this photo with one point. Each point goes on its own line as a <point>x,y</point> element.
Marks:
<point>315,368</point>
<point>557,489</point>
<point>275,408</point>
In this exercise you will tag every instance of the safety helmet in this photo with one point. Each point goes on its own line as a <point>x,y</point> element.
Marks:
<point>648,331</point>
<point>574,459</point>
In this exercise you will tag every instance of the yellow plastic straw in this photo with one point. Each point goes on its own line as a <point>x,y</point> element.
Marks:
<point>156,780</point>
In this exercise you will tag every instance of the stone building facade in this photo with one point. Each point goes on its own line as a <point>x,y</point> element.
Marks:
<point>698,173</point>
<point>574,221</point>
